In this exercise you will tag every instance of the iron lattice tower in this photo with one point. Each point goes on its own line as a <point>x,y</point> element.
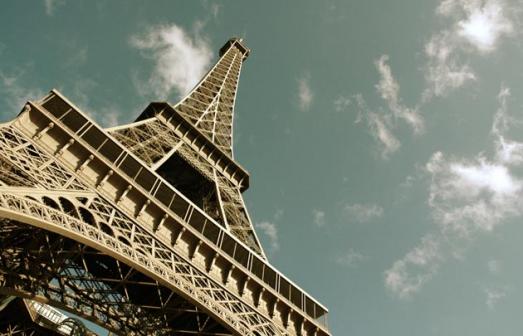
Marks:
<point>140,228</point>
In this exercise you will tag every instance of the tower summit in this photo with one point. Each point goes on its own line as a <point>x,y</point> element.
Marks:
<point>141,228</point>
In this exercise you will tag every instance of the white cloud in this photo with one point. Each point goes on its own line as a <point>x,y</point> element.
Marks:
<point>318,218</point>
<point>305,95</point>
<point>180,60</point>
<point>476,26</point>
<point>444,69</point>
<point>362,212</point>
<point>470,197</point>
<point>351,259</point>
<point>388,88</point>
<point>381,132</point>
<point>50,6</point>
<point>501,118</point>
<point>484,176</point>
<point>509,152</point>
<point>485,24</point>
<point>493,296</point>
<point>378,127</point>
<point>467,197</point>
<point>382,123</point>
<point>270,230</point>
<point>408,275</point>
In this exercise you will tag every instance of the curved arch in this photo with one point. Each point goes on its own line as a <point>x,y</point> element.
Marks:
<point>106,229</point>
<point>68,207</point>
<point>50,202</point>
<point>179,278</point>
<point>124,240</point>
<point>87,216</point>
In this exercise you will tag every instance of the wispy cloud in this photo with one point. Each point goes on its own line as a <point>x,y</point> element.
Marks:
<point>467,197</point>
<point>305,95</point>
<point>318,218</point>
<point>214,8</point>
<point>342,103</point>
<point>351,259</point>
<point>507,151</point>
<point>483,24</point>
<point>388,88</point>
<point>15,92</point>
<point>51,5</point>
<point>444,69</point>
<point>383,122</point>
<point>362,212</point>
<point>382,133</point>
<point>470,197</point>
<point>494,296</point>
<point>378,125</point>
<point>271,231</point>
<point>475,26</point>
<point>408,275</point>
<point>180,59</point>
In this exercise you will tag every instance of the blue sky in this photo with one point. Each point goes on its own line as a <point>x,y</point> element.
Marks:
<point>383,138</point>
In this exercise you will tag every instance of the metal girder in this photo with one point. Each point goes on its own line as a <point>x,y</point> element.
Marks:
<point>210,108</point>
<point>88,227</point>
<point>135,250</point>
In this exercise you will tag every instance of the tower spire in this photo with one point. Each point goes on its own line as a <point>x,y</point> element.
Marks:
<point>210,105</point>
<point>172,138</point>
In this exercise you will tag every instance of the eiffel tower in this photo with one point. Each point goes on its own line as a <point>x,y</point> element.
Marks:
<point>141,228</point>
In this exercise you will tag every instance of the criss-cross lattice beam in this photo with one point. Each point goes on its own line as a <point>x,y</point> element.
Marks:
<point>209,106</point>
<point>174,271</point>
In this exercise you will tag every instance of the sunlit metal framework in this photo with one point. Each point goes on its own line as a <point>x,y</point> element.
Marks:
<point>141,228</point>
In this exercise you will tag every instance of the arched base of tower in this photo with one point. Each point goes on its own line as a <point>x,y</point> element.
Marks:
<point>49,268</point>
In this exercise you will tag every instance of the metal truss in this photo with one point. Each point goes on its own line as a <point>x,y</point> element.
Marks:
<point>209,107</point>
<point>154,142</point>
<point>89,228</point>
<point>118,235</point>
<point>83,298</point>
<point>25,165</point>
<point>28,317</point>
